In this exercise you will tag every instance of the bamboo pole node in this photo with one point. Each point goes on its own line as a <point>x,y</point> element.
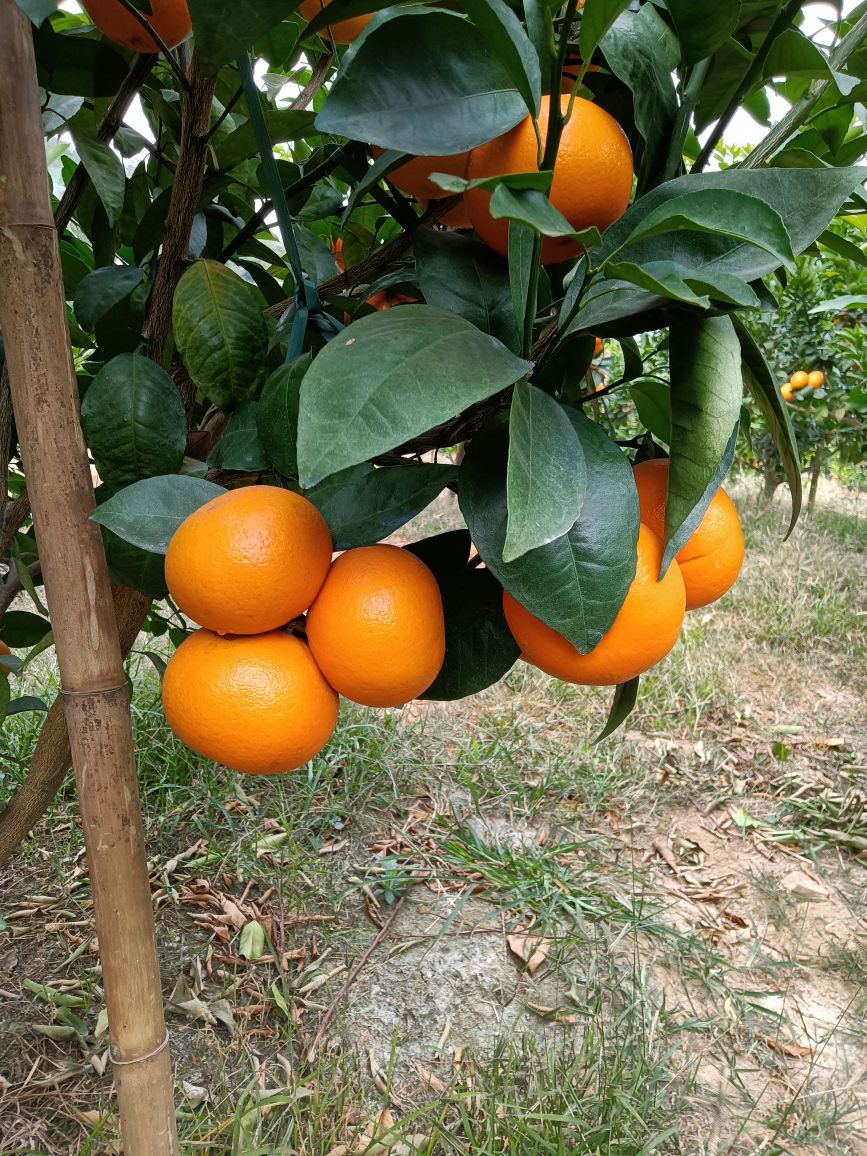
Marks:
<point>99,690</point>
<point>139,1059</point>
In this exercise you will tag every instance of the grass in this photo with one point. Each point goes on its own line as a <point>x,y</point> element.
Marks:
<point>660,1016</point>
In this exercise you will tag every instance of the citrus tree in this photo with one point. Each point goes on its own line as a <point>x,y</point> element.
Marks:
<point>345,239</point>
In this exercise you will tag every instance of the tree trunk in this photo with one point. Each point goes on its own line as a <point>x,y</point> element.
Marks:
<point>94,687</point>
<point>815,475</point>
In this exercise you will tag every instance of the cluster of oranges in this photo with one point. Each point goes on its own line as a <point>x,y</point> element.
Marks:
<point>801,380</point>
<point>256,688</point>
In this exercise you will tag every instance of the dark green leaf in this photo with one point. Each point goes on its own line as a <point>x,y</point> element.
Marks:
<point>134,420</point>
<point>5,695</point>
<point>76,65</point>
<point>622,706</point>
<point>363,505</point>
<point>102,290</point>
<point>317,260</point>
<point>423,82</point>
<point>221,333</point>
<point>531,207</point>
<point>522,242</point>
<point>223,28</point>
<point>505,34</point>
<point>390,376</point>
<point>283,124</point>
<point>104,167</point>
<point>664,278</point>
<point>794,54</point>
<point>706,392</point>
<point>26,702</point>
<point>278,415</point>
<point>147,513</point>
<point>459,273</point>
<point>596,19</point>
<point>843,246</point>
<point>240,448</point>
<point>760,382</point>
<point>652,399</point>
<point>446,554</point>
<point>142,570</point>
<point>576,584</point>
<point>540,29</point>
<point>546,479</point>
<point>702,28</point>
<point>21,628</point>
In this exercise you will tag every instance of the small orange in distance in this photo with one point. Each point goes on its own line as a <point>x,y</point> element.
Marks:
<point>4,649</point>
<point>592,175</point>
<point>711,559</point>
<point>256,703</point>
<point>377,629</point>
<point>599,347</point>
<point>170,19</point>
<point>248,561</point>
<point>644,631</point>
<point>786,391</point>
<point>799,379</point>
<point>816,379</point>
<point>345,31</point>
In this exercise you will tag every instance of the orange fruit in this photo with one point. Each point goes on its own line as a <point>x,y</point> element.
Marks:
<point>799,379</point>
<point>413,177</point>
<point>4,649</point>
<point>592,175</point>
<point>336,246</point>
<point>816,379</point>
<point>711,559</point>
<point>256,703</point>
<point>387,299</point>
<point>170,19</point>
<point>599,347</point>
<point>786,391</point>
<point>644,631</point>
<point>248,561</point>
<point>376,628</point>
<point>345,31</point>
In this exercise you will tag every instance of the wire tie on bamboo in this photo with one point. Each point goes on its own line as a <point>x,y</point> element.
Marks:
<point>99,690</point>
<point>139,1059</point>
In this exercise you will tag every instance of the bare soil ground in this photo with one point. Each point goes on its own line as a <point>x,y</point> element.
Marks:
<point>482,933</point>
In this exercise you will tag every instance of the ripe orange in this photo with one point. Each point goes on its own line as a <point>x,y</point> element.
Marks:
<point>599,347</point>
<point>711,559</point>
<point>345,31</point>
<point>4,649</point>
<point>644,631</point>
<point>799,379</point>
<point>170,19</point>
<point>248,561</point>
<point>387,299</point>
<point>256,703</point>
<point>786,391</point>
<point>816,379</point>
<point>592,175</point>
<point>377,629</point>
<point>414,178</point>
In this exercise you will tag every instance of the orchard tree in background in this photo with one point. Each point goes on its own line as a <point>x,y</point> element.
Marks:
<point>393,242</point>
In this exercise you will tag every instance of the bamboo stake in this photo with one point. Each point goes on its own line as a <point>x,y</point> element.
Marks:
<point>96,703</point>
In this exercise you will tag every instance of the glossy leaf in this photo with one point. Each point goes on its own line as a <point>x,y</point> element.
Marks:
<point>76,66</point>
<point>363,505</point>
<point>622,706</point>
<point>702,29</point>
<point>546,478</point>
<point>240,447</point>
<point>577,583</point>
<point>652,399</point>
<point>21,628</point>
<point>390,376</point>
<point>459,273</point>
<point>220,332</point>
<point>148,512</point>
<point>663,278</point>
<point>101,290</point>
<point>27,702</point>
<point>104,167</point>
<point>283,124</point>
<point>532,208</point>
<point>596,18</point>
<point>706,392</point>
<point>278,415</point>
<point>134,420</point>
<point>223,28</point>
<point>505,34</point>
<point>521,247</point>
<point>142,570</point>
<point>423,82</point>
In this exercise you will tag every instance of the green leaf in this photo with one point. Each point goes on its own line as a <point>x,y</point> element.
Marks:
<point>76,65</point>
<point>622,705</point>
<point>147,513</point>
<point>363,505</point>
<point>577,583</point>
<point>843,246</point>
<point>540,179</point>
<point>522,241</point>
<point>480,648</point>
<point>706,392</point>
<point>660,277</point>
<point>531,207</point>
<point>104,167</point>
<point>652,399</point>
<point>540,29</point>
<point>702,29</point>
<point>221,333</point>
<point>794,54</point>
<point>596,19</point>
<point>423,82</point>
<point>546,479</point>
<point>278,415</point>
<point>505,35</point>
<point>128,565</point>
<point>27,702</point>
<point>240,447</point>
<point>20,628</point>
<point>101,290</point>
<point>283,124</point>
<point>5,695</point>
<point>134,420</point>
<point>389,377</point>
<point>720,211</point>
<point>765,392</point>
<point>223,28</point>
<point>251,945</point>
<point>459,273</point>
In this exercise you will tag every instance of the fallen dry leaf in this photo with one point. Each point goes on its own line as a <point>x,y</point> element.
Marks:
<point>804,886</point>
<point>429,1080</point>
<point>785,1047</point>
<point>532,949</point>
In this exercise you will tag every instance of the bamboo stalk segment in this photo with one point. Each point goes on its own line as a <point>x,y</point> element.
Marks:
<point>45,402</point>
